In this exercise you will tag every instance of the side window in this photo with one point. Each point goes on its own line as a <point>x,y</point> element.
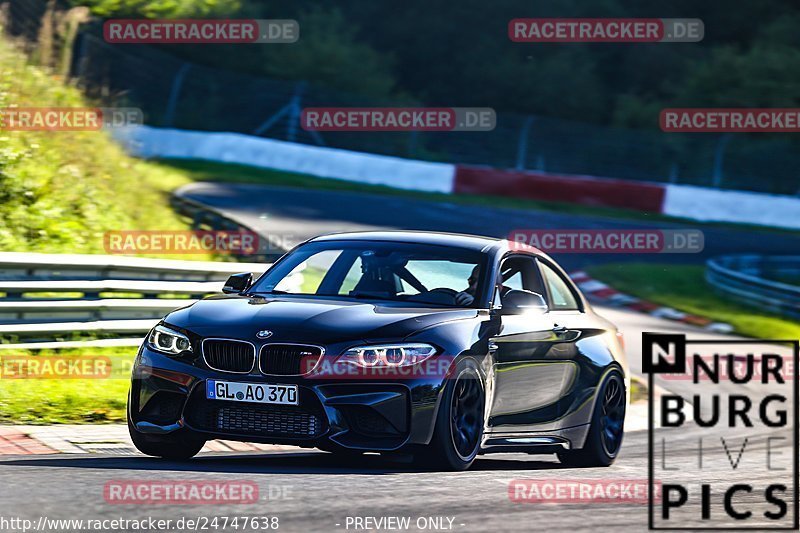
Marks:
<point>561,296</point>
<point>514,281</point>
<point>519,272</point>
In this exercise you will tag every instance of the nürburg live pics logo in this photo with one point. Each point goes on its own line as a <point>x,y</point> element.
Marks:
<point>723,433</point>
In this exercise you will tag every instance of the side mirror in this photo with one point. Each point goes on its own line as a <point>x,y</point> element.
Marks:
<point>238,283</point>
<point>517,302</point>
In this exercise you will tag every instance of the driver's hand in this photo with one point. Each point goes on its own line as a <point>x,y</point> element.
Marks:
<point>464,298</point>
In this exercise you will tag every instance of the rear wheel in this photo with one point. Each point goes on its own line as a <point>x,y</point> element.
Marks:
<point>459,422</point>
<point>605,433</point>
<point>178,445</point>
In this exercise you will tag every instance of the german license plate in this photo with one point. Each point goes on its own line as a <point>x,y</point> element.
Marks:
<point>252,392</point>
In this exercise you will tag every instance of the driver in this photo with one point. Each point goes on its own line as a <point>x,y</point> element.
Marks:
<point>467,296</point>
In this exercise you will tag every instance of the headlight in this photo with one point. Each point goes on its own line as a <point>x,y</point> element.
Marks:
<point>388,355</point>
<point>168,341</point>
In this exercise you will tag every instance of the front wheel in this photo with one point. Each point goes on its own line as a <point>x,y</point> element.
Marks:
<point>179,445</point>
<point>459,422</point>
<point>605,433</point>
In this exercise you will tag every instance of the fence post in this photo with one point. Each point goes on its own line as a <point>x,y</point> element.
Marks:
<point>412,143</point>
<point>79,63</point>
<point>522,146</point>
<point>292,111</point>
<point>295,110</point>
<point>719,155</point>
<point>673,173</point>
<point>174,93</point>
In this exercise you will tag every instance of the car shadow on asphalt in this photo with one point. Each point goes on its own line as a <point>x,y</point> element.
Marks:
<point>276,463</point>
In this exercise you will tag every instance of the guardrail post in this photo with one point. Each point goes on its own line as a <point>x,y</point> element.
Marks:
<point>174,93</point>
<point>522,144</point>
<point>719,154</point>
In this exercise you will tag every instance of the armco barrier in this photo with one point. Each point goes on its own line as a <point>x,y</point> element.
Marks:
<point>334,163</point>
<point>90,289</point>
<point>683,201</point>
<point>738,207</point>
<point>26,315</point>
<point>584,190</point>
<point>35,266</point>
<point>45,311</point>
<point>205,217</point>
<point>51,330</point>
<point>741,277</point>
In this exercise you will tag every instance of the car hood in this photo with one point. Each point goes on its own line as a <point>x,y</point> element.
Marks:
<point>313,320</point>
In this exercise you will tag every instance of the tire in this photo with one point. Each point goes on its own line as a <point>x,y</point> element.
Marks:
<point>459,422</point>
<point>180,445</point>
<point>604,440</point>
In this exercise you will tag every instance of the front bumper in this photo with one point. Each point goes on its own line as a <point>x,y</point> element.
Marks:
<point>169,395</point>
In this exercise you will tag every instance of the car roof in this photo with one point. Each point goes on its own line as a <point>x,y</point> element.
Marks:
<point>473,242</point>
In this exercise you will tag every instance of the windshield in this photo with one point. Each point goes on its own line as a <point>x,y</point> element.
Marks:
<point>391,271</point>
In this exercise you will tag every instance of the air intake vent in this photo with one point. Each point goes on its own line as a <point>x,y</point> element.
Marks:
<point>284,421</point>
<point>229,355</point>
<point>272,420</point>
<point>289,359</point>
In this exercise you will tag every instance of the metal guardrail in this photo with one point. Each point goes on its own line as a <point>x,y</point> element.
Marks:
<point>754,280</point>
<point>33,266</point>
<point>210,218</point>
<point>43,311</point>
<point>96,289</point>
<point>67,329</point>
<point>47,296</point>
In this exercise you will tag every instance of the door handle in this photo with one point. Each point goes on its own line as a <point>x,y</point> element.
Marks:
<point>559,329</point>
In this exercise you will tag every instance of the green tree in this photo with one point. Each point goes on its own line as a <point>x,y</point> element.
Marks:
<point>159,8</point>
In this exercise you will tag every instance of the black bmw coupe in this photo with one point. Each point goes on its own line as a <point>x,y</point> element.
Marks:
<point>439,346</point>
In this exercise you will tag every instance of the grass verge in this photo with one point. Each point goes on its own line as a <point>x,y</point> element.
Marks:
<point>639,391</point>
<point>30,393</point>
<point>60,191</point>
<point>684,287</point>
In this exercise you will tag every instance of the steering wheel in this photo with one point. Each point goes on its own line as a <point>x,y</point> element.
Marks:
<point>444,291</point>
<point>446,295</point>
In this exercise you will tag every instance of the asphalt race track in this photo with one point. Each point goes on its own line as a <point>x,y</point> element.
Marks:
<point>324,490</point>
<point>293,215</point>
<point>316,491</point>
